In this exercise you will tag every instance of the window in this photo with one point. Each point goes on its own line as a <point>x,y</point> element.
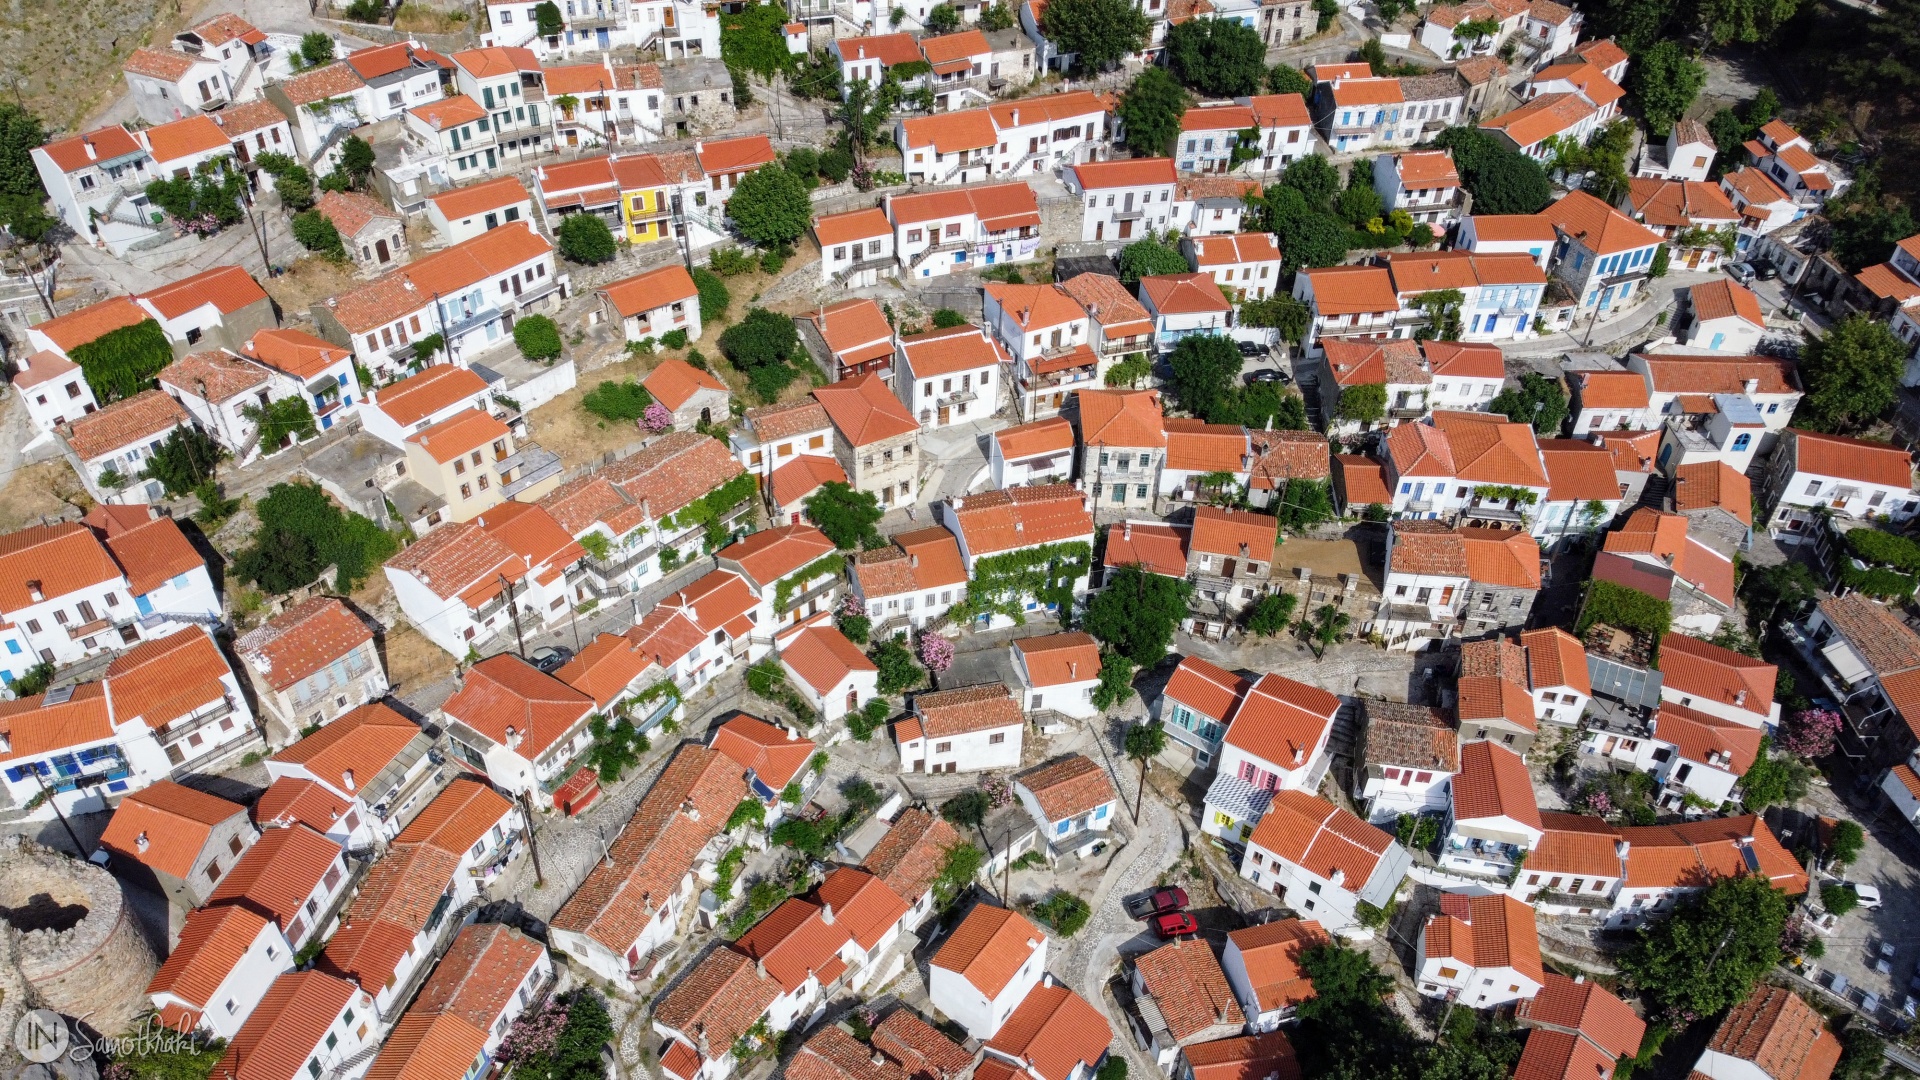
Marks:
<point>943,748</point>
<point>999,737</point>
<point>234,845</point>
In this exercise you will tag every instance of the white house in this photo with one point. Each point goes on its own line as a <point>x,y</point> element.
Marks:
<point>651,305</point>
<point>1322,861</point>
<point>292,876</point>
<point>1506,234</point>
<point>226,958</point>
<point>1688,753</point>
<point>1424,184</point>
<point>373,761</point>
<point>1687,154</point>
<point>1769,384</point>
<point>1040,452</point>
<point>308,1022</point>
<point>856,248</point>
<point>168,84</point>
<point>1500,294</point>
<point>995,522</point>
<point>1276,741</point>
<point>463,213</point>
<point>1481,951</point>
<point>910,581</point>
<point>519,725</point>
<point>1049,337</point>
<point>1854,478</point>
<point>1181,305</point>
<point>1720,316</point>
<point>830,672</point>
<point>1124,200</point>
<point>934,232</point>
<point>1602,255</point>
<point>1263,964</point>
<point>1409,754</point>
<point>971,728</point>
<point>1071,799</point>
<point>945,376</point>
<point>1615,400</point>
<point>1183,998</point>
<point>1244,265</point>
<point>1349,302</point>
<point>1719,682</point>
<point>1058,673</point>
<point>1010,139</point>
<point>985,968</point>
<point>1494,819</point>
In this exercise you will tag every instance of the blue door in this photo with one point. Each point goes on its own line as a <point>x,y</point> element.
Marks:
<point>605,40</point>
<point>145,605</point>
<point>1606,297</point>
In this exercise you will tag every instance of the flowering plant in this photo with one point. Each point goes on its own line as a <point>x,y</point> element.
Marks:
<point>1598,802</point>
<point>534,1032</point>
<point>936,652</point>
<point>656,417</point>
<point>998,791</point>
<point>1810,733</point>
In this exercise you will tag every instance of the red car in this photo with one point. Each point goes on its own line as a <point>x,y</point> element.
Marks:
<point>1157,902</point>
<point>1174,925</point>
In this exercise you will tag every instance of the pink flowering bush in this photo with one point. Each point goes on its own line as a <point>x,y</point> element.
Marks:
<point>534,1032</point>
<point>936,652</point>
<point>852,606</point>
<point>998,791</point>
<point>656,417</point>
<point>1597,802</point>
<point>1810,733</point>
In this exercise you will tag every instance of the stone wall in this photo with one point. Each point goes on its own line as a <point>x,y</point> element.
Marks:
<point>72,938</point>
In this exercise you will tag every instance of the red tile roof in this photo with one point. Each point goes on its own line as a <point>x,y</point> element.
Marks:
<point>413,286</point>
<point>508,700</point>
<point>1865,460</point>
<point>1271,954</point>
<point>108,143</point>
<point>1134,172</point>
<point>478,198</point>
<point>1209,690</point>
<point>867,224</point>
<point>1493,782</point>
<point>1321,838</point>
<point>776,755</point>
<point>147,416</point>
<point>1691,854</point>
<point>1578,471</point>
<point>459,817</point>
<point>1611,389</point>
<point>996,521</point>
<point>1189,987</point>
<point>1555,658</point>
<point>1706,672</point>
<point>989,947</point>
<point>450,1023</point>
<point>909,856</point>
<point>771,554</point>
<point>1183,294</point>
<point>286,1027</point>
<point>1068,786</point>
<point>1708,740</point>
<point>1585,1007</point>
<point>717,1001</point>
<point>1267,1056</point>
<point>292,800</point>
<point>350,751</point>
<point>211,944</point>
<point>1120,418</point>
<point>919,1047</point>
<point>1054,1031</point>
<point>165,826</point>
<point>303,639</point>
<point>1059,659</point>
<point>1779,1032</point>
<point>1483,932</point>
<point>865,411</point>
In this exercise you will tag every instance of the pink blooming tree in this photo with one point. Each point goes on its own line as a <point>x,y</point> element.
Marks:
<point>534,1032</point>
<point>1810,733</point>
<point>936,652</point>
<point>1598,802</point>
<point>656,417</point>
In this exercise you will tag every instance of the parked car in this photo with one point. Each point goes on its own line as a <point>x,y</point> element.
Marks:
<point>1869,894</point>
<point>1251,348</point>
<point>1175,925</point>
<point>1268,375</point>
<point>1157,902</point>
<point>1765,271</point>
<point>1740,272</point>
<point>550,658</point>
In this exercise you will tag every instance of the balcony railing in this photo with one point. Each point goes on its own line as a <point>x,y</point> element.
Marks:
<point>87,629</point>
<point>187,725</point>
<point>959,398</point>
<point>1407,413</point>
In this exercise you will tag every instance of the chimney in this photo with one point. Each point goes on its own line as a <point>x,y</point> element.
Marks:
<point>1740,698</point>
<point>792,735</point>
<point>958,502</point>
<point>34,592</point>
<point>1751,386</point>
<point>1621,848</point>
<point>826,914</point>
<point>513,737</point>
<point>1338,877</point>
<point>692,811</point>
<point>1073,670</point>
<point>1299,754</point>
<point>1244,550</point>
<point>1045,980</point>
<point>346,778</point>
<point>140,843</point>
<point>1126,530</point>
<point>1578,979</point>
<point>913,561</point>
<point>1019,526</point>
<point>1016,118</point>
<point>760,968</point>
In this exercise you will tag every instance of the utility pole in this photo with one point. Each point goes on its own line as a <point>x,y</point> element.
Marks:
<point>514,609</point>
<point>79,849</point>
<point>526,827</point>
<point>1006,872</point>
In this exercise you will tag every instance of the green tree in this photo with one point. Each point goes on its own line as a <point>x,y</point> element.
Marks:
<point>123,362</point>
<point>284,420</point>
<point>1852,375</point>
<point>1147,257</point>
<point>356,161</point>
<point>1845,843</point>
<point>1662,261</point>
<point>849,518</point>
<point>898,673</point>
<point>1314,177</point>
<point>316,233</point>
<point>537,337</point>
<point>1501,179</point>
<point>1137,613</point>
<point>1360,204</point>
<point>1116,681</point>
<point>1773,780</point>
<point>943,19</point>
<point>546,19</point>
<point>1865,233</point>
<point>1324,627</point>
<point>1305,502</point>
<point>1839,899</point>
<point>946,318</point>
<point>1217,58</point>
<point>967,810</point>
<point>202,203</point>
<point>1097,33</point>
<point>1144,742</point>
<point>1365,403</point>
<point>20,133</point>
<point>1777,592</point>
<point>316,48</point>
<point>291,181</point>
<point>617,402</point>
<point>1665,80</point>
<point>1272,614</point>
<point>1706,956</point>
<point>1151,108</point>
<point>301,532</point>
<point>185,459</point>
<point>1539,401</point>
<point>1862,1054</point>
<point>714,296</point>
<point>770,207</point>
<point>1284,79</point>
<point>1442,308</point>
<point>574,1054</point>
<point>1203,367</point>
<point>1744,20</point>
<point>1345,1031</point>
<point>1130,371</point>
<point>585,238</point>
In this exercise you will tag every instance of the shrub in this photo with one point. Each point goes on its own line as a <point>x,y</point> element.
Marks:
<point>537,338</point>
<point>1064,912</point>
<point>123,362</point>
<point>619,402</point>
<point>1839,899</point>
<point>714,297</point>
<point>730,261</point>
<point>674,339</point>
<point>585,238</point>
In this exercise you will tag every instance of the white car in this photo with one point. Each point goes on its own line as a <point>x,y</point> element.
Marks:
<point>1869,894</point>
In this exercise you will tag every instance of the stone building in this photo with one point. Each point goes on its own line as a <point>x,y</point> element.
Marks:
<point>72,944</point>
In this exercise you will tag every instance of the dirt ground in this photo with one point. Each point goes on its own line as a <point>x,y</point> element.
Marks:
<point>307,282</point>
<point>36,491</point>
<point>412,660</point>
<point>578,436</point>
<point>421,19</point>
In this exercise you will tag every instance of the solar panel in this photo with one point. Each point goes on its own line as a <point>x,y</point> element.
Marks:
<point>1750,857</point>
<point>1624,682</point>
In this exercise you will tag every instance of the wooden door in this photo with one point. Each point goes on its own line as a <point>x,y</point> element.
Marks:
<point>945,412</point>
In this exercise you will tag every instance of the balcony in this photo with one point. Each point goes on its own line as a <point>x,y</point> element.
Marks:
<point>546,288</point>
<point>1499,515</point>
<point>462,325</point>
<point>489,609</point>
<point>1420,506</point>
<point>1129,215</point>
<point>88,629</point>
<point>961,398</point>
<point>1406,413</point>
<point>533,463</point>
<point>187,725</point>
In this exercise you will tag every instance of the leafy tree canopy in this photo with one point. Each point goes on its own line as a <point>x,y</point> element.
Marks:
<point>1138,612</point>
<point>537,337</point>
<point>1284,79</point>
<point>770,207</point>
<point>185,459</point>
<point>123,362</point>
<point>1665,80</point>
<point>316,48</point>
<point>20,133</point>
<point>753,39</point>
<point>1151,109</point>
<point>585,238</point>
<point>1204,367</point>
<point>1706,956</point>
<point>1852,375</point>
<point>1502,180</point>
<point>300,516</point>
<point>849,518</point>
<point>1539,401</point>
<point>1147,257</point>
<point>1217,58</point>
<point>1098,33</point>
